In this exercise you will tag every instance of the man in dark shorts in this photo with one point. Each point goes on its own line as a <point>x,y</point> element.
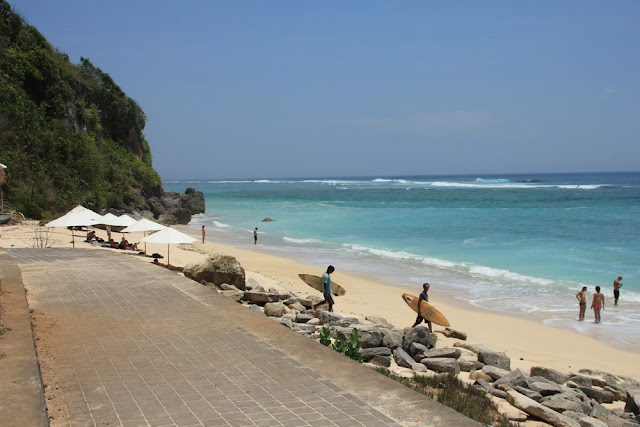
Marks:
<point>255,236</point>
<point>616,290</point>
<point>423,296</point>
<point>582,300</point>
<point>326,289</point>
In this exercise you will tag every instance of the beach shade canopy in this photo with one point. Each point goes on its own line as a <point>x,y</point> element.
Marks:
<point>77,219</point>
<point>143,225</point>
<point>109,219</point>
<point>89,212</point>
<point>125,221</point>
<point>168,236</point>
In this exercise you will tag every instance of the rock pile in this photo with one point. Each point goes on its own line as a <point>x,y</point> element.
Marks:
<point>543,394</point>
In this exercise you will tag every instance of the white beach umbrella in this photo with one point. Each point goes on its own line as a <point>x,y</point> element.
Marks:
<point>125,220</point>
<point>77,219</point>
<point>169,236</point>
<point>144,225</point>
<point>82,209</point>
<point>108,219</point>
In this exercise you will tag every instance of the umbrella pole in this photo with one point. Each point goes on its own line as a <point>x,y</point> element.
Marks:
<point>168,255</point>
<point>73,238</point>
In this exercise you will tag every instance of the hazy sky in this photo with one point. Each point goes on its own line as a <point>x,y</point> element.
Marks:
<point>344,88</point>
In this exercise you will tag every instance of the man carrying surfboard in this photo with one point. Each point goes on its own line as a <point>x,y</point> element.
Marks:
<point>423,296</point>
<point>326,289</point>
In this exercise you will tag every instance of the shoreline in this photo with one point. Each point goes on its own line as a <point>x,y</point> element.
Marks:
<point>527,342</point>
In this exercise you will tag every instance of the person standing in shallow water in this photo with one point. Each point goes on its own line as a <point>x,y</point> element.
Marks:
<point>582,299</point>
<point>326,289</point>
<point>598,303</point>
<point>255,236</point>
<point>616,290</point>
<point>424,296</point>
<point>203,233</point>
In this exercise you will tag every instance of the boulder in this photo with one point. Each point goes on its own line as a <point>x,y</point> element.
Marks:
<point>306,302</point>
<point>284,322</point>
<point>475,348</point>
<point>584,420</point>
<point>228,287</point>
<point>217,269</point>
<point>275,309</point>
<point>234,295</point>
<point>529,393</point>
<point>403,358</point>
<point>344,322</point>
<point>391,338</point>
<point>380,321</point>
<point>193,201</point>
<point>420,335</point>
<point>314,321</point>
<point>256,297</point>
<point>304,328</point>
<point>494,358</point>
<point>328,316</point>
<point>452,333</point>
<point>384,361</point>
<point>484,385</point>
<point>633,402</point>
<point>479,375</point>
<point>441,364</point>
<point>514,378</point>
<point>303,318</point>
<point>566,402</point>
<point>469,365</point>
<point>546,389</point>
<point>453,353</point>
<point>600,412</point>
<point>369,353</point>
<point>550,374</point>
<point>415,349</point>
<point>368,338</point>
<point>606,379</point>
<point>600,396</point>
<point>618,394</point>
<point>493,372</point>
<point>534,408</point>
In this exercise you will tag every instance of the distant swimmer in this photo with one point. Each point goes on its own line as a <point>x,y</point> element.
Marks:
<point>616,289</point>
<point>203,233</point>
<point>582,300</point>
<point>598,303</point>
<point>255,236</point>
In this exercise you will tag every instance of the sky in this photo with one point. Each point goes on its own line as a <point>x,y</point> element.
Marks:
<point>258,89</point>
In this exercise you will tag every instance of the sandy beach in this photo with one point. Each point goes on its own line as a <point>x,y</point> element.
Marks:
<point>527,343</point>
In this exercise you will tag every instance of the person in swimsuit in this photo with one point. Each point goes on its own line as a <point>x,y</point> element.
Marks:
<point>582,299</point>
<point>616,290</point>
<point>255,236</point>
<point>598,303</point>
<point>204,232</point>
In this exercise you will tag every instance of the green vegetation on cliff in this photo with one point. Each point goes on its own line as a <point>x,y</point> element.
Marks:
<point>68,133</point>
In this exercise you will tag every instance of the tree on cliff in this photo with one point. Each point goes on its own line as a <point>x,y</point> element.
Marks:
<point>68,133</point>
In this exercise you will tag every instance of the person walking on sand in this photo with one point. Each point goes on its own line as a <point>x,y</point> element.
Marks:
<point>326,289</point>
<point>598,303</point>
<point>255,236</point>
<point>616,290</point>
<point>424,295</point>
<point>582,299</point>
<point>203,233</point>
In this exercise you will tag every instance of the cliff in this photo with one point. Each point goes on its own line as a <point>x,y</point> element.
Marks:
<point>68,133</point>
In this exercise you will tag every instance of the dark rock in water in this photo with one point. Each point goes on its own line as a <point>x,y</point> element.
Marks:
<point>217,269</point>
<point>193,201</point>
<point>268,220</point>
<point>174,208</point>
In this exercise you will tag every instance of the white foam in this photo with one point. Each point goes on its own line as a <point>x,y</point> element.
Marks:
<point>300,241</point>
<point>220,224</point>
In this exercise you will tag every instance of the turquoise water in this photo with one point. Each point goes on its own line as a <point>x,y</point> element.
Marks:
<point>519,244</point>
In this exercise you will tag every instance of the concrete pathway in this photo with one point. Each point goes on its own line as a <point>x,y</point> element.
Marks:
<point>134,344</point>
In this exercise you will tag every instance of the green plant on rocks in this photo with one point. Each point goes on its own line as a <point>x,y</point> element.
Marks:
<point>350,348</point>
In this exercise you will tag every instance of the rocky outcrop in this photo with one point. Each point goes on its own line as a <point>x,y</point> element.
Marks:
<point>217,269</point>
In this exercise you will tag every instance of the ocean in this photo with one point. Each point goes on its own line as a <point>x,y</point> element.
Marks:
<point>521,245</point>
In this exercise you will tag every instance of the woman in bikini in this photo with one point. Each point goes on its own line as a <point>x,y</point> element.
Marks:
<point>598,303</point>
<point>582,299</point>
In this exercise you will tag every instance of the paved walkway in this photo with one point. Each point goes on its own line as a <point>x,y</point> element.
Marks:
<point>139,345</point>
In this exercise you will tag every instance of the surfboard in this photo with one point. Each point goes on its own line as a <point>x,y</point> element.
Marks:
<point>427,311</point>
<point>316,283</point>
